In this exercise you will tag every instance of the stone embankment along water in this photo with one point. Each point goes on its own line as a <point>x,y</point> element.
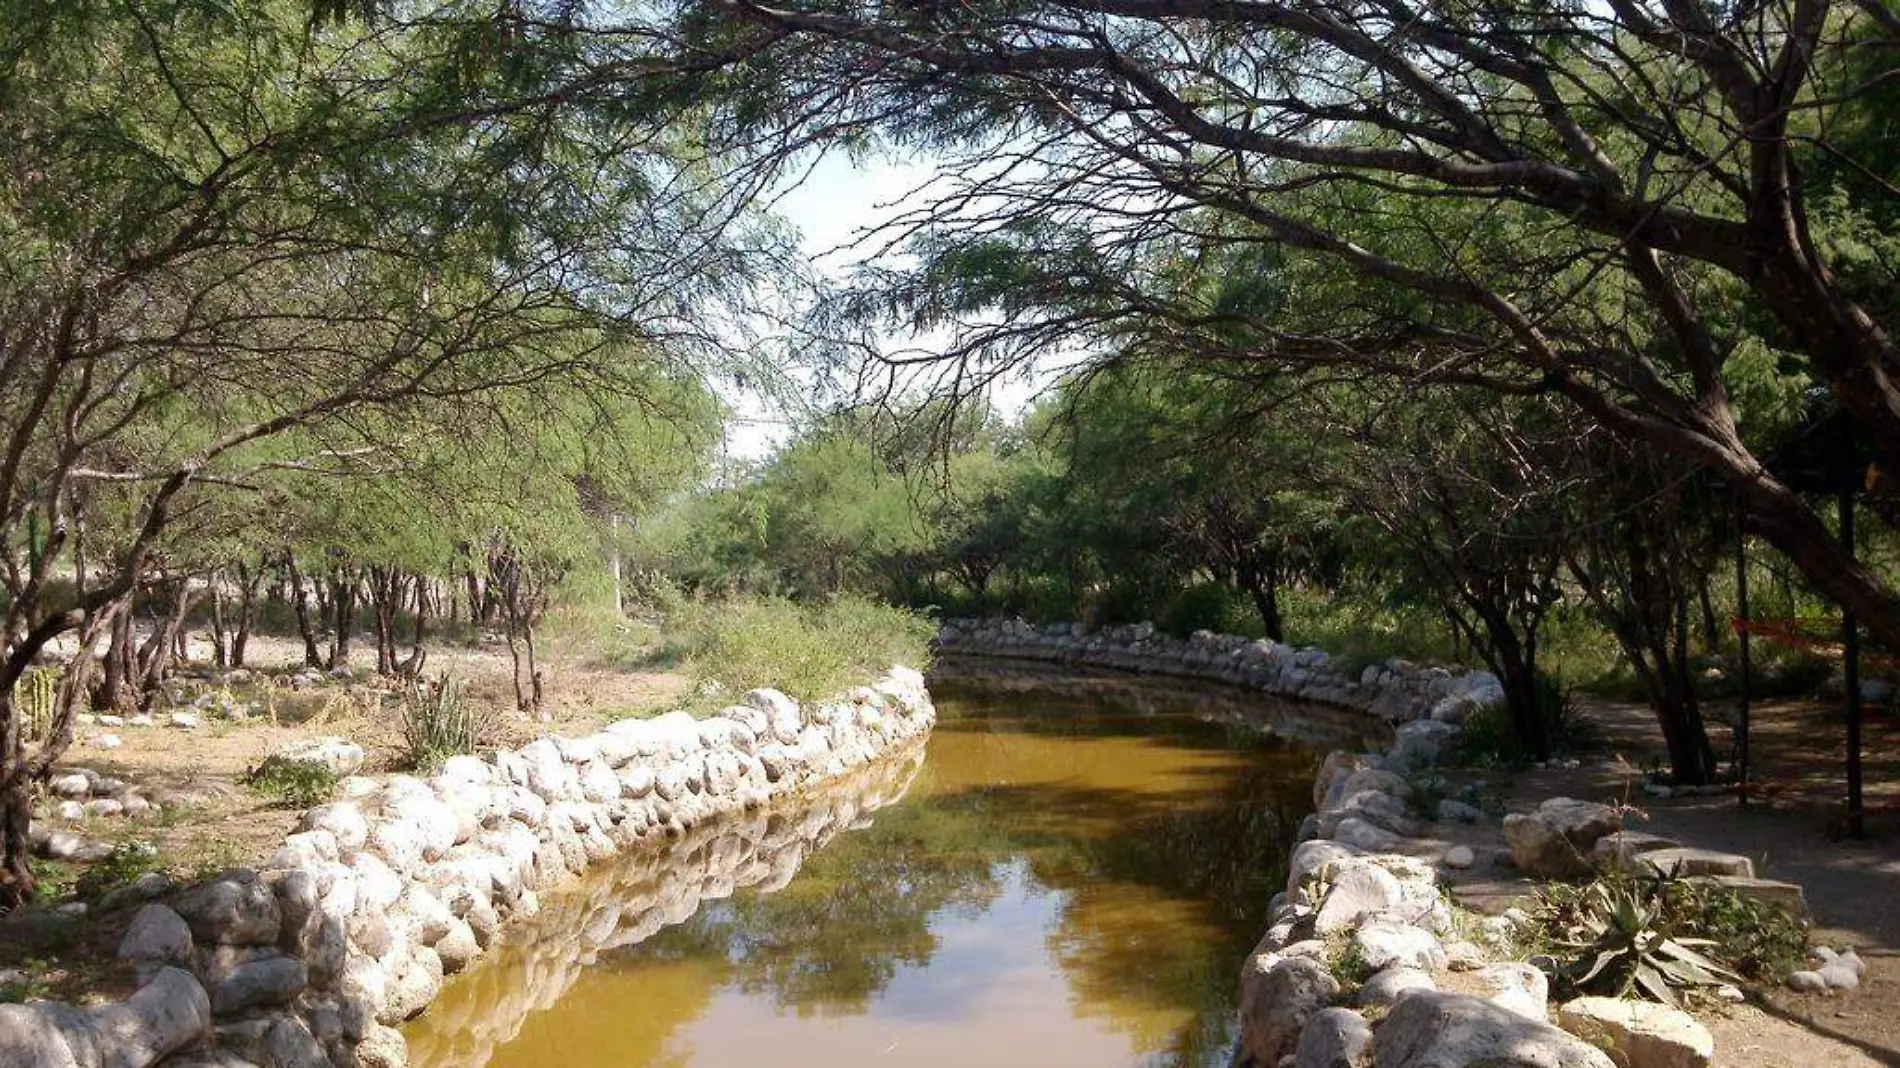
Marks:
<point>1395,691</point>
<point>1357,881</point>
<point>628,900</point>
<point>1367,896</point>
<point>351,926</point>
<point>1357,889</point>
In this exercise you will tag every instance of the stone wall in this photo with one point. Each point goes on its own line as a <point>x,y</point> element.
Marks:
<point>1363,936</point>
<point>1368,964</point>
<point>351,926</point>
<point>628,900</point>
<point>1396,691</point>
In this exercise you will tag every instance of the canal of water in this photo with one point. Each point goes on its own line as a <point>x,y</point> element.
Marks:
<point>1071,872</point>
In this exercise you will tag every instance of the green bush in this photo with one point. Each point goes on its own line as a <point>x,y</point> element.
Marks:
<point>294,783</point>
<point>1364,629</point>
<point>438,722</point>
<point>1759,939</point>
<point>810,651</point>
<point>1489,739</point>
<point>1205,606</point>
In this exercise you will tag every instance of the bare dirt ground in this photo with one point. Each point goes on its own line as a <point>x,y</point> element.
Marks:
<point>210,819</point>
<point>1793,830</point>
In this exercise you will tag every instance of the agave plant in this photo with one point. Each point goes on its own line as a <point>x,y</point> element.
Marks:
<point>1617,937</point>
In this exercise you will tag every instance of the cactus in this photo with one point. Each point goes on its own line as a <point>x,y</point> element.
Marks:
<point>34,695</point>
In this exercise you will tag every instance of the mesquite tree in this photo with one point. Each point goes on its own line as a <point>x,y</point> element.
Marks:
<point>1610,203</point>
<point>231,252</point>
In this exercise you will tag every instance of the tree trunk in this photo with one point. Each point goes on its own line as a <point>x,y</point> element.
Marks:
<point>156,658</point>
<point>386,589</point>
<point>1514,658</point>
<point>534,668</point>
<point>343,605</point>
<point>620,593</point>
<point>16,815</point>
<point>1711,629</point>
<point>249,581</point>
<point>1525,705</point>
<point>1263,585</point>
<point>300,600</point>
<point>220,636</point>
<point>114,692</point>
<point>412,666</point>
<point>79,542</point>
<point>514,676</point>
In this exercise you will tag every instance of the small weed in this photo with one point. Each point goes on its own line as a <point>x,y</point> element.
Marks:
<point>214,856</point>
<point>52,881</point>
<point>1761,940</point>
<point>32,985</point>
<point>1349,962</point>
<point>294,783</point>
<point>127,861</point>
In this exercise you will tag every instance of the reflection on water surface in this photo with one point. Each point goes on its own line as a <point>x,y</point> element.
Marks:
<point>1066,880</point>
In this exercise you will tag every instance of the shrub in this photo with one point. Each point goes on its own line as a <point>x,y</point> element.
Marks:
<point>439,722</point>
<point>52,880</point>
<point>810,651</point>
<point>1205,606</point>
<point>294,783</point>
<point>1489,740</point>
<point>1759,939</point>
<point>1349,962</point>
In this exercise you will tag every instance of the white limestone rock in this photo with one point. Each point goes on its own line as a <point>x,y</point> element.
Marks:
<point>1434,1029</point>
<point>1334,1038</point>
<point>1515,986</point>
<point>1557,840</point>
<point>1278,996</point>
<point>157,937</point>
<point>1383,943</point>
<point>340,755</point>
<point>1357,891</point>
<point>269,981</point>
<point>1390,984</point>
<point>1639,1034</point>
<point>343,820</point>
<point>237,908</point>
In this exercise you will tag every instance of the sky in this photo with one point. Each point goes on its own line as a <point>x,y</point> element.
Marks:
<point>836,204</point>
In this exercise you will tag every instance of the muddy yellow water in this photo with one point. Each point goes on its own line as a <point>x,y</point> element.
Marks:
<point>1060,880</point>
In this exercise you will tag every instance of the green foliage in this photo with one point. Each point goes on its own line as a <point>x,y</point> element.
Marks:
<point>438,722</point>
<point>124,864</point>
<point>1660,937</point>
<point>810,651</point>
<point>1202,606</point>
<point>1489,740</point>
<point>1761,940</point>
<point>296,784</point>
<point>52,880</point>
<point>1362,625</point>
<point>1349,963</point>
